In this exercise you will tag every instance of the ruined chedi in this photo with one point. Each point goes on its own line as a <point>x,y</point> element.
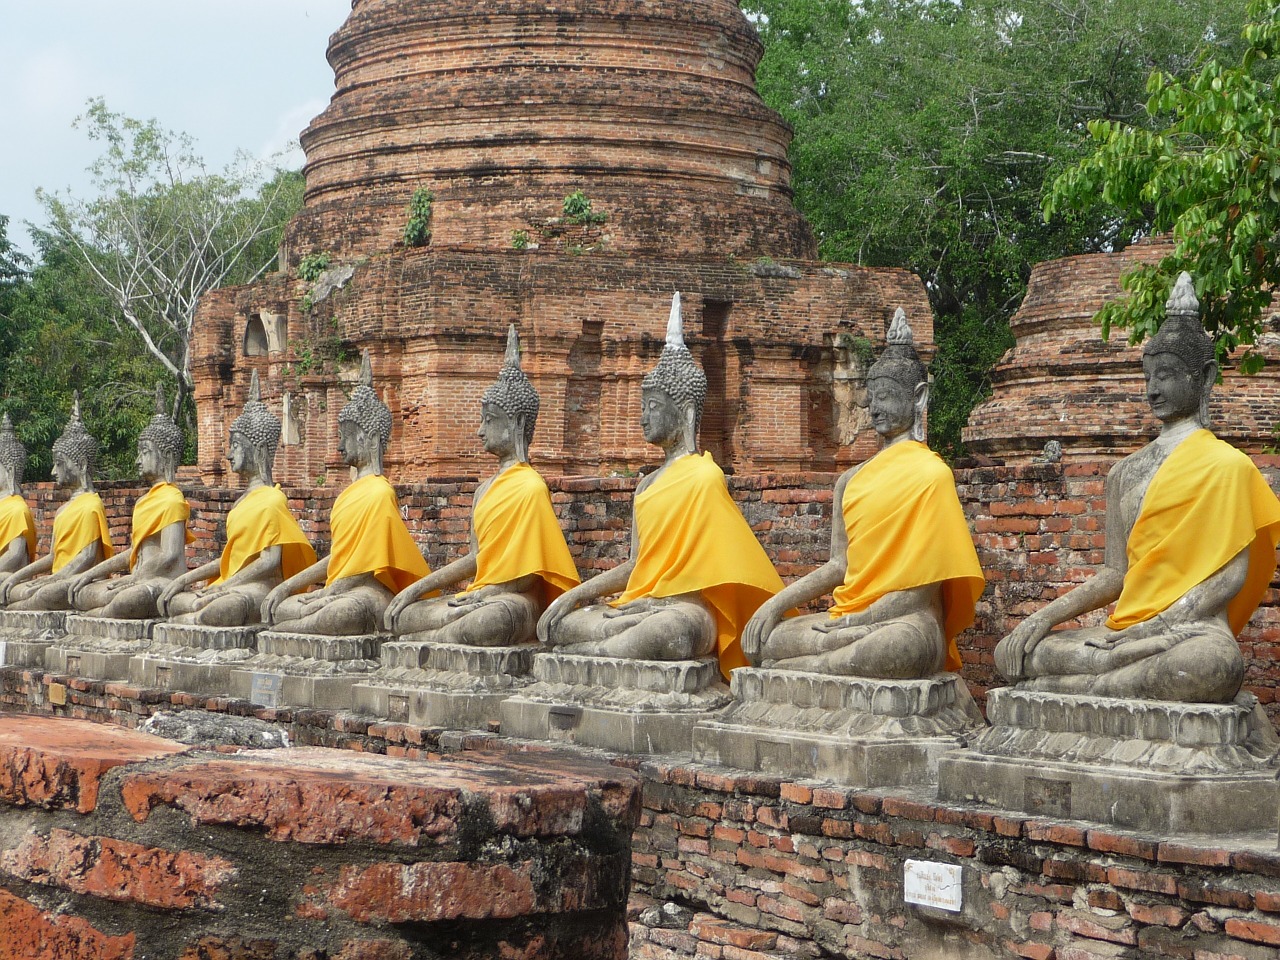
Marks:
<point>501,110</point>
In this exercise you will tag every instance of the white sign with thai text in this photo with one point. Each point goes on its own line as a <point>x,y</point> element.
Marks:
<point>933,884</point>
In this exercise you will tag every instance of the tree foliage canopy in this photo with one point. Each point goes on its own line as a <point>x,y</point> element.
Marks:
<point>1204,167</point>
<point>163,230</point>
<point>926,132</point>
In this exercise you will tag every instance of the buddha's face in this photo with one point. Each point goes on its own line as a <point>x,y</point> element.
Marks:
<point>497,430</point>
<point>661,418</point>
<point>150,462</point>
<point>353,445</point>
<point>65,473</point>
<point>1173,388</point>
<point>891,406</point>
<point>239,452</point>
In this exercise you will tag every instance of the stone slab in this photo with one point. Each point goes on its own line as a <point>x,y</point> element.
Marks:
<point>630,706</point>
<point>454,686</point>
<point>99,647</point>
<point>193,658</point>
<point>854,731</point>
<point>1161,768</point>
<point>301,670</point>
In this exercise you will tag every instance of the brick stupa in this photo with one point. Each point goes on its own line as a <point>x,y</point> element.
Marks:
<point>502,109</point>
<point>1061,381</point>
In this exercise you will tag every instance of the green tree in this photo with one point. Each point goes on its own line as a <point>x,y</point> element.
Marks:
<point>60,333</point>
<point>926,132</point>
<point>163,230</point>
<point>1202,165</point>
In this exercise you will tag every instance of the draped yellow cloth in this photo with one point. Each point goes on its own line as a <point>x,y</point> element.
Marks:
<point>160,506</point>
<point>370,537</point>
<point>693,538</point>
<point>261,520</point>
<point>80,522</point>
<point>1206,503</point>
<point>16,521</point>
<point>906,529</point>
<point>518,535</point>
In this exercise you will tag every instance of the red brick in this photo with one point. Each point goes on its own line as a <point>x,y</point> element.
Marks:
<point>119,870</point>
<point>1128,846</point>
<point>721,931</point>
<point>1030,949</point>
<point>1143,880</point>
<point>1050,832</point>
<point>57,763</point>
<point>796,793</point>
<point>231,948</point>
<point>1197,856</point>
<point>1165,915</point>
<point>1253,930</point>
<point>27,933</point>
<point>374,950</point>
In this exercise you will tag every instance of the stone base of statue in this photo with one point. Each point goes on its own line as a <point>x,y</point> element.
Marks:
<point>26,635</point>
<point>448,685</point>
<point>302,670</point>
<point>99,647</point>
<point>628,706</point>
<point>193,658</point>
<point>1158,767</point>
<point>855,731</point>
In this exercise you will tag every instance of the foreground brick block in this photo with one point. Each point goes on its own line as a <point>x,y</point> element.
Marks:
<point>58,763</point>
<point>29,933</point>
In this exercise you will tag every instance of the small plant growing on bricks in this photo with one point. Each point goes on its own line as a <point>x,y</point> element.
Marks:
<point>417,232</point>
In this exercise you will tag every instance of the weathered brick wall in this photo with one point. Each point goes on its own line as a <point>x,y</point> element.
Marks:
<point>778,345</point>
<point>766,867</point>
<point>118,845</point>
<point>503,108</point>
<point>1062,381</point>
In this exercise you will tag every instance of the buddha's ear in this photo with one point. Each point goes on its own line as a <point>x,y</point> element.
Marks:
<point>920,406</point>
<point>1206,389</point>
<point>690,413</point>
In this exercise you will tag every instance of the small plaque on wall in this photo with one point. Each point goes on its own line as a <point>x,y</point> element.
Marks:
<point>933,884</point>
<point>265,689</point>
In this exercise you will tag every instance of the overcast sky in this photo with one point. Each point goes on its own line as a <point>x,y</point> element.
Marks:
<point>235,74</point>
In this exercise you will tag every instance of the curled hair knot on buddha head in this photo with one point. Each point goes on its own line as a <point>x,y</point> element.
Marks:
<point>1182,334</point>
<point>257,423</point>
<point>901,364</point>
<point>76,445</point>
<point>12,453</point>
<point>365,409</point>
<point>512,392</point>
<point>162,431</point>
<point>677,374</point>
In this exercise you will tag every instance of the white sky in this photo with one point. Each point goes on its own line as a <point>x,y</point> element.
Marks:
<point>234,74</point>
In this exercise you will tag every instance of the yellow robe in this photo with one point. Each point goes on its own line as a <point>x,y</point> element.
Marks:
<point>906,529</point>
<point>160,506</point>
<point>81,522</point>
<point>16,521</point>
<point>1205,504</point>
<point>370,537</point>
<point>693,539</point>
<point>261,520</point>
<point>518,535</point>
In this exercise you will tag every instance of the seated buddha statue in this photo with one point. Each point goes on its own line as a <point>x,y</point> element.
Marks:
<point>372,557</point>
<point>903,571</point>
<point>17,526</point>
<point>265,545</point>
<point>518,561</point>
<point>696,572</point>
<point>1191,531</point>
<point>81,538</point>
<point>126,586</point>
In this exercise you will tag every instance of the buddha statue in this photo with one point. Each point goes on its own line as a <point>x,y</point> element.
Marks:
<point>372,557</point>
<point>696,572</point>
<point>1191,531</point>
<point>17,526</point>
<point>264,544</point>
<point>158,538</point>
<point>81,538</point>
<point>518,561</point>
<point>903,570</point>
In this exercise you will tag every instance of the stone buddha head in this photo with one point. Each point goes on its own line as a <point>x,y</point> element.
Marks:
<point>1179,361</point>
<point>509,408</point>
<point>75,453</point>
<point>255,434</point>
<point>364,424</point>
<point>898,385</point>
<point>13,458</point>
<point>159,445</point>
<point>674,391</point>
